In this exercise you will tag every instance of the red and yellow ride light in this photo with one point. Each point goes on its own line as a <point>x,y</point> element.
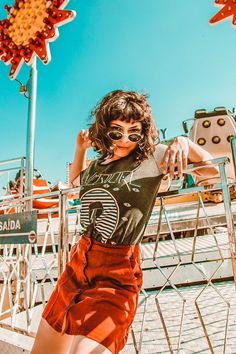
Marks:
<point>228,9</point>
<point>30,26</point>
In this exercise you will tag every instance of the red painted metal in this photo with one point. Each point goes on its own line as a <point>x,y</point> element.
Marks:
<point>228,9</point>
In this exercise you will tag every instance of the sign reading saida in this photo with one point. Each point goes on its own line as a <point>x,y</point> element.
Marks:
<point>18,228</point>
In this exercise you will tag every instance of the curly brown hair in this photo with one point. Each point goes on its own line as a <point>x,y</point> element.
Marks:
<point>127,106</point>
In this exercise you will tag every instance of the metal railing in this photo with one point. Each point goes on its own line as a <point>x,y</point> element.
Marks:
<point>233,148</point>
<point>6,168</point>
<point>192,260</point>
<point>28,273</point>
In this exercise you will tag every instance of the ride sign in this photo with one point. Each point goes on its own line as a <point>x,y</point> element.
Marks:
<point>19,228</point>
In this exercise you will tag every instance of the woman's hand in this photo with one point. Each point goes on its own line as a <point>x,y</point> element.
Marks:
<point>176,155</point>
<point>83,141</point>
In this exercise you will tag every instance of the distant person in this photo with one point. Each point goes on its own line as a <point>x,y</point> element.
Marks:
<point>95,300</point>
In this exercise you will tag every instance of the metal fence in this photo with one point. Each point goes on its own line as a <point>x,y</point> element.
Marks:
<point>167,313</point>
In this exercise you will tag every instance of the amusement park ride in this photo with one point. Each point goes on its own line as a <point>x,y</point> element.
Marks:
<point>205,210</point>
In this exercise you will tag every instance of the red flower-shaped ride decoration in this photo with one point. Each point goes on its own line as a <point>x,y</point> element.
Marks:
<point>30,26</point>
<point>229,9</point>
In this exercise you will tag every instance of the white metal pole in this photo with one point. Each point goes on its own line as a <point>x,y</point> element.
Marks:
<point>30,140</point>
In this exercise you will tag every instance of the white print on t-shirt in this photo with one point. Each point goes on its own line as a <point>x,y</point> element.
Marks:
<point>99,209</point>
<point>124,177</point>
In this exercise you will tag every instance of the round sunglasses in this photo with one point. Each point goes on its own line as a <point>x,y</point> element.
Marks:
<point>117,135</point>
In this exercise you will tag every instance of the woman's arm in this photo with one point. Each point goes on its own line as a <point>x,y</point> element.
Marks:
<point>79,162</point>
<point>181,151</point>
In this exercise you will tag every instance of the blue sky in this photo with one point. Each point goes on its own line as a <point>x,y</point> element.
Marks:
<point>163,47</point>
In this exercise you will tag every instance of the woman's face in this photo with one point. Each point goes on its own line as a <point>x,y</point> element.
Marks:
<point>124,146</point>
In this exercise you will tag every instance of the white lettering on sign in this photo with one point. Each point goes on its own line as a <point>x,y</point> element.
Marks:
<point>10,225</point>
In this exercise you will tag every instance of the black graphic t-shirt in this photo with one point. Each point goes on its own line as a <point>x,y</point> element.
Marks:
<point>117,198</point>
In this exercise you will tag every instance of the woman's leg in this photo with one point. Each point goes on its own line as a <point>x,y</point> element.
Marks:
<point>84,345</point>
<point>49,341</point>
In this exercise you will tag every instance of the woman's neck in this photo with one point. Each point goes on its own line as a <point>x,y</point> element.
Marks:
<point>110,159</point>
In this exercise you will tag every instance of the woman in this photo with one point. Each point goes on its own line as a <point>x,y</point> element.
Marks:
<point>95,300</point>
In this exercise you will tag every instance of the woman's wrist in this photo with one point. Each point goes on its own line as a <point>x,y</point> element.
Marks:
<point>81,148</point>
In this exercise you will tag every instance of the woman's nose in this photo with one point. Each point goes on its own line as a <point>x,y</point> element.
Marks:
<point>125,138</point>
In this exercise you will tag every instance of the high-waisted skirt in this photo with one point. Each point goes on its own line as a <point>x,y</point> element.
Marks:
<point>97,294</point>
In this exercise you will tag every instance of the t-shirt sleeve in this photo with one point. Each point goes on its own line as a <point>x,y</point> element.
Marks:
<point>159,154</point>
<point>77,181</point>
<point>87,171</point>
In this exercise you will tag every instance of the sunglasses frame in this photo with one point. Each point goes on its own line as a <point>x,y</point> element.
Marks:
<point>124,134</point>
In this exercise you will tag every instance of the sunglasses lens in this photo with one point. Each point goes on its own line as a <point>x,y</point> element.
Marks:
<point>134,137</point>
<point>114,135</point>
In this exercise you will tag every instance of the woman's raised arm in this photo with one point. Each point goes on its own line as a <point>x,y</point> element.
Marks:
<point>79,163</point>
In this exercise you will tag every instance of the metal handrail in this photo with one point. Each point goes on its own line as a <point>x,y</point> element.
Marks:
<point>4,162</point>
<point>192,168</point>
<point>22,161</point>
<point>206,164</point>
<point>233,147</point>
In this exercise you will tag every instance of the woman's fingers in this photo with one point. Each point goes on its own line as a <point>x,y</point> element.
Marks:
<point>84,134</point>
<point>83,138</point>
<point>168,162</point>
<point>174,157</point>
<point>179,156</point>
<point>164,162</point>
<point>184,160</point>
<point>172,163</point>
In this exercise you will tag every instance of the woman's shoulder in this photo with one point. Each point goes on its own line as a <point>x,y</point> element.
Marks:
<point>158,155</point>
<point>159,152</point>
<point>91,166</point>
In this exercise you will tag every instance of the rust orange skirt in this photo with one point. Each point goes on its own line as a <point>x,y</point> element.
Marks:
<point>97,294</point>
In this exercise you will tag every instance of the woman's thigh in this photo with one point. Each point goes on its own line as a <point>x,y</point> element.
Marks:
<point>84,345</point>
<point>49,341</point>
